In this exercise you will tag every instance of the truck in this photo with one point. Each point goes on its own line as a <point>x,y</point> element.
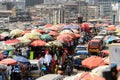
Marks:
<point>114,49</point>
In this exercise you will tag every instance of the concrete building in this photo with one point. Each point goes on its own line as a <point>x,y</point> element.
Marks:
<point>105,8</point>
<point>92,12</point>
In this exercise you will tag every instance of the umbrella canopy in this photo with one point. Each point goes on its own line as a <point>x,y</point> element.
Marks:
<point>8,47</point>
<point>38,43</point>
<point>111,28</point>
<point>53,33</point>
<point>65,38</point>
<point>15,32</point>
<point>46,37</point>
<point>48,25</point>
<point>75,31</point>
<point>66,32</point>
<point>21,59</point>
<point>71,27</point>
<point>25,32</point>
<point>92,62</point>
<point>24,40</point>
<point>54,43</point>
<point>77,35</point>
<point>12,42</point>
<point>87,76</point>
<point>117,30</point>
<point>118,34</point>
<point>32,36</point>
<point>5,34</point>
<point>8,61</point>
<point>99,70</point>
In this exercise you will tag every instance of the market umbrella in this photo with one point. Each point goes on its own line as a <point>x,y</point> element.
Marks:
<point>87,76</point>
<point>38,43</point>
<point>5,34</point>
<point>32,36</point>
<point>92,62</point>
<point>77,35</point>
<point>53,33</point>
<point>15,32</point>
<point>12,42</point>
<point>75,31</point>
<point>66,31</point>
<point>46,37</point>
<point>57,43</point>
<point>8,61</point>
<point>21,59</point>
<point>65,38</point>
<point>99,70</point>
<point>111,28</point>
<point>8,47</point>
<point>117,30</point>
<point>48,25</point>
<point>25,32</point>
<point>24,40</point>
<point>118,34</point>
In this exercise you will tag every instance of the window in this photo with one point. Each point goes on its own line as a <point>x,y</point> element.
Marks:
<point>34,67</point>
<point>94,43</point>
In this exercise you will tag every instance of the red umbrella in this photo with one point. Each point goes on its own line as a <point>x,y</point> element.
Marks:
<point>53,33</point>
<point>13,41</point>
<point>48,25</point>
<point>38,43</point>
<point>8,61</point>
<point>85,27</point>
<point>87,76</point>
<point>65,38</point>
<point>92,62</point>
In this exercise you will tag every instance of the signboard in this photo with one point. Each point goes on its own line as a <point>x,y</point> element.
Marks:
<point>115,54</point>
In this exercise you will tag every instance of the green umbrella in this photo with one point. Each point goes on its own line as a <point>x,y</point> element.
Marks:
<point>46,37</point>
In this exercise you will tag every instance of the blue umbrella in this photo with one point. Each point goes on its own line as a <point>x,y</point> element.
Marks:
<point>21,59</point>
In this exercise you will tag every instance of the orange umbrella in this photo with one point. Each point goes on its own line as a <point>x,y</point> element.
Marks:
<point>24,32</point>
<point>38,43</point>
<point>65,38</point>
<point>111,28</point>
<point>87,76</point>
<point>48,25</point>
<point>92,62</point>
<point>53,33</point>
<point>8,61</point>
<point>77,35</point>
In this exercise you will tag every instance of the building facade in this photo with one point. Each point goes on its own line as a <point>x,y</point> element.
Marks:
<point>105,8</point>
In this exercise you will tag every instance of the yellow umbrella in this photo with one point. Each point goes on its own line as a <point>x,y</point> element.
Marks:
<point>15,32</point>
<point>31,36</point>
<point>117,30</point>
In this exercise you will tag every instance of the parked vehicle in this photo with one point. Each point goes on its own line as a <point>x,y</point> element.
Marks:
<point>81,54</point>
<point>34,68</point>
<point>96,44</point>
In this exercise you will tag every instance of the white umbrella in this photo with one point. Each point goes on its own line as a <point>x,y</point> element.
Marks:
<point>99,70</point>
